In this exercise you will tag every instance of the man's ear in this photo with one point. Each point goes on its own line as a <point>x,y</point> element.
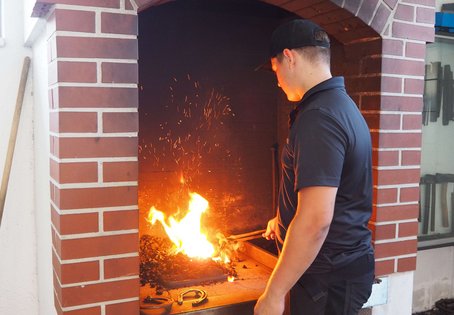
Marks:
<point>290,56</point>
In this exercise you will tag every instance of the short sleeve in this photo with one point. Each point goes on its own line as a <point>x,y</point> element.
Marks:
<point>319,146</point>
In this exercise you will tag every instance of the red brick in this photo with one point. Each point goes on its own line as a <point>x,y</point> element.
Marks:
<point>123,308</point>
<point>371,65</point>
<point>391,84</point>
<point>404,67</point>
<point>75,223</point>
<point>383,232</point>
<point>413,86</point>
<point>120,72</point>
<point>79,272</point>
<point>405,13</point>
<point>367,10</point>
<point>381,18</point>
<point>87,47</point>
<point>128,5</point>
<point>293,6</point>
<point>98,246</point>
<point>370,102</point>
<point>393,47</point>
<point>411,31</point>
<point>412,122</point>
<point>408,229</point>
<point>384,267</point>
<point>80,72</point>
<point>65,173</point>
<point>400,140</point>
<point>406,264</point>
<point>120,171</point>
<point>87,3</point>
<point>352,6</point>
<point>100,292</point>
<point>398,176</point>
<point>425,15</point>
<point>395,248</point>
<point>415,50</point>
<point>364,84</point>
<point>94,147</point>
<point>390,121</point>
<point>121,267</point>
<point>75,21</point>
<point>391,3</point>
<point>388,158</point>
<point>325,13</point>
<point>423,2</point>
<point>82,311</point>
<point>120,122</point>
<point>79,198</point>
<point>119,23</point>
<point>402,103</point>
<point>395,213</point>
<point>408,194</point>
<point>97,97</point>
<point>121,220</point>
<point>62,122</point>
<point>360,50</point>
<point>372,120</point>
<point>410,157</point>
<point>388,195</point>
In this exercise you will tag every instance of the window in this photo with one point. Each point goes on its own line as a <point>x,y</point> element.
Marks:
<point>436,219</point>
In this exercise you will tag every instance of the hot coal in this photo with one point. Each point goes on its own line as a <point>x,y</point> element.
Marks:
<point>161,268</point>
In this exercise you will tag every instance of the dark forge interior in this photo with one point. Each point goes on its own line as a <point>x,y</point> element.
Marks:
<point>209,122</point>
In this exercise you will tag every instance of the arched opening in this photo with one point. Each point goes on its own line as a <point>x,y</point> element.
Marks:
<point>210,124</point>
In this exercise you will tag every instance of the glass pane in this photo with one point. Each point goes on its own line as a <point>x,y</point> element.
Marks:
<point>437,152</point>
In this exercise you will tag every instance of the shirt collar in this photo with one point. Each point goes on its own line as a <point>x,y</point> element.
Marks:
<point>331,83</point>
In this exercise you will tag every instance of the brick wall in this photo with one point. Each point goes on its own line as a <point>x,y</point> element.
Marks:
<point>93,99</point>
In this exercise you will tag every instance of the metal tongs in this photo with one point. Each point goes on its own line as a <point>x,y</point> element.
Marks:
<point>246,236</point>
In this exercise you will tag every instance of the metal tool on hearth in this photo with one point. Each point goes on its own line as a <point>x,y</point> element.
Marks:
<point>158,302</point>
<point>200,296</point>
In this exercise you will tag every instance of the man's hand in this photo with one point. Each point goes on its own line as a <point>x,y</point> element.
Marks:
<point>267,305</point>
<point>270,233</point>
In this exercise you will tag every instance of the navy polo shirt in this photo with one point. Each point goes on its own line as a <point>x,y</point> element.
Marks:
<point>329,145</point>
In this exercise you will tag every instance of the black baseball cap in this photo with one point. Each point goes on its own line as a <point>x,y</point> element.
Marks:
<point>295,34</point>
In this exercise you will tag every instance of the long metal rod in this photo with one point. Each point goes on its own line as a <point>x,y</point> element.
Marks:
<point>249,235</point>
<point>13,135</point>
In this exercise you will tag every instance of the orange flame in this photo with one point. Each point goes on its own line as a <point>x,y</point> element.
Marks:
<point>186,234</point>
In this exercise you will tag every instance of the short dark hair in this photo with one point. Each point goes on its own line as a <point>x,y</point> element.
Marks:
<point>312,53</point>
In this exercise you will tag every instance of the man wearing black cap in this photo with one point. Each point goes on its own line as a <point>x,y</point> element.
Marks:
<point>325,199</point>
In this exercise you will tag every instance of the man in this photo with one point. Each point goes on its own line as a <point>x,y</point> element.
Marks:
<point>325,199</point>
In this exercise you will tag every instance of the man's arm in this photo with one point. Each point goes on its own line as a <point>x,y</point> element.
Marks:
<point>303,241</point>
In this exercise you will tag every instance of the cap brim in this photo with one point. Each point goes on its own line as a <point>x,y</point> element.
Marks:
<point>266,66</point>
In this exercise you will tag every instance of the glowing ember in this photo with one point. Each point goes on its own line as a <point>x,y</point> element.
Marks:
<point>230,278</point>
<point>186,234</point>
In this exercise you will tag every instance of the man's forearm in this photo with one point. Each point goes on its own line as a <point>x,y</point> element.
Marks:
<point>302,244</point>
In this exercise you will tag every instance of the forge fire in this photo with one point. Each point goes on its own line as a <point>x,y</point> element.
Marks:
<point>185,255</point>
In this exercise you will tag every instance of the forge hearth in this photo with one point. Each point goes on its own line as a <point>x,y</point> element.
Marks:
<point>161,269</point>
<point>238,297</point>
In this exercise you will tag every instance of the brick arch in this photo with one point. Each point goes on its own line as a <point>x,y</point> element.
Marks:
<point>344,20</point>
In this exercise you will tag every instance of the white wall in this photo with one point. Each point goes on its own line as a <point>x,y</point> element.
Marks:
<point>399,301</point>
<point>18,276</point>
<point>42,193</point>
<point>433,277</point>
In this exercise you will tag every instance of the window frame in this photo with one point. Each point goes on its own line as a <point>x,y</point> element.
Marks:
<point>446,239</point>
